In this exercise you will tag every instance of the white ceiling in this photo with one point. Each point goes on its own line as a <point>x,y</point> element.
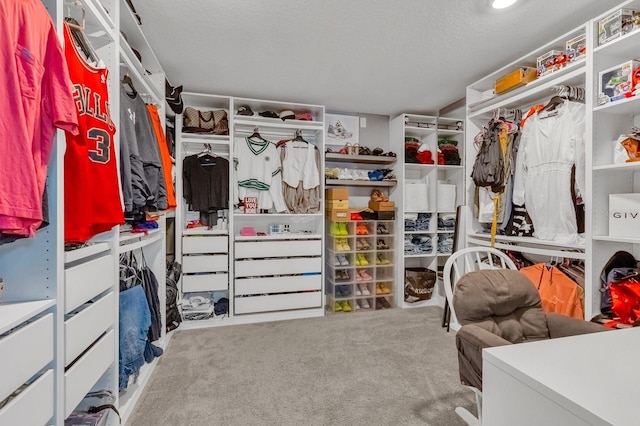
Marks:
<point>359,56</point>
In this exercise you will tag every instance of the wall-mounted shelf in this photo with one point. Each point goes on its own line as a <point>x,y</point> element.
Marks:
<point>363,159</point>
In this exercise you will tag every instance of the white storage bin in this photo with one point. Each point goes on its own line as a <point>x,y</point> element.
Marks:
<point>85,281</point>
<point>205,263</point>
<point>257,249</point>
<point>624,215</point>
<point>299,265</point>
<point>33,406</point>
<point>205,282</point>
<point>86,326</point>
<point>416,195</point>
<point>83,375</point>
<point>278,302</point>
<point>23,353</point>
<point>446,197</point>
<point>204,244</point>
<point>262,285</point>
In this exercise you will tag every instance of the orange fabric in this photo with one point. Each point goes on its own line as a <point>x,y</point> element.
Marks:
<point>558,292</point>
<point>532,111</point>
<point>164,154</point>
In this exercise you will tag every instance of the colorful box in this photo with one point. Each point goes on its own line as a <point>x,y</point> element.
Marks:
<point>517,78</point>
<point>624,215</point>
<point>617,82</point>
<point>620,22</point>
<point>336,193</point>
<point>576,47</point>
<point>250,204</point>
<point>546,63</point>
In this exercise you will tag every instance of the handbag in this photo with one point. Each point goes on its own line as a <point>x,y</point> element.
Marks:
<point>214,122</point>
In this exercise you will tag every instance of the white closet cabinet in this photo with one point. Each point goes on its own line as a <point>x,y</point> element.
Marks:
<point>608,122</point>
<point>59,310</point>
<point>264,278</point>
<point>429,192</point>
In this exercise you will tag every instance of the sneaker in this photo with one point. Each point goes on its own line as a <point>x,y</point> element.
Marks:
<point>364,304</point>
<point>364,289</point>
<point>337,307</point>
<point>346,306</point>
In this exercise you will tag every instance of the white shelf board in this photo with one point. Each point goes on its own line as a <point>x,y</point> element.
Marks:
<point>349,182</point>
<point>616,239</point>
<point>409,256</point>
<point>199,138</point>
<point>129,236</point>
<point>419,211</point>
<point>291,236</point>
<point>629,106</point>
<point>537,90</point>
<point>204,231</point>
<point>450,167</point>
<point>620,46</point>
<point>622,167</point>
<point>289,215</point>
<point>449,132</point>
<point>363,159</point>
<point>14,314</point>
<point>84,252</point>
<point>264,122</point>
<point>528,240</point>
<point>418,166</point>
<point>418,232</point>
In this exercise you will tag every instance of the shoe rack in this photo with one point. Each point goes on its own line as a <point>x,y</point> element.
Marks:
<point>360,265</point>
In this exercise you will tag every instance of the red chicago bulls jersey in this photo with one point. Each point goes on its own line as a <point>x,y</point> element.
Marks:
<point>92,198</point>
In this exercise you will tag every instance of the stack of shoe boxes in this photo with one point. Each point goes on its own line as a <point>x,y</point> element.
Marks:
<point>337,204</point>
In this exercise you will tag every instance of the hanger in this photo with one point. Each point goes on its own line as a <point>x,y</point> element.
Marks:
<point>80,38</point>
<point>298,137</point>
<point>256,135</point>
<point>127,82</point>
<point>206,156</point>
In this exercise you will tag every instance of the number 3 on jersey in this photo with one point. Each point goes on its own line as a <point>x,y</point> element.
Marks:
<point>102,153</point>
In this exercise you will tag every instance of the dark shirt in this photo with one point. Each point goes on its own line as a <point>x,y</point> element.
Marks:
<point>205,185</point>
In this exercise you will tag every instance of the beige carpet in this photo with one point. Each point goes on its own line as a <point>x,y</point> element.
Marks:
<point>390,367</point>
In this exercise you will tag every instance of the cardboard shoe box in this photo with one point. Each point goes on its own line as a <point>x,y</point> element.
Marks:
<point>384,206</point>
<point>336,204</point>
<point>624,215</point>
<point>336,193</point>
<point>515,79</point>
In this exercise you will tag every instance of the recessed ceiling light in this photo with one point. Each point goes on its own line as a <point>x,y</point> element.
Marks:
<point>501,4</point>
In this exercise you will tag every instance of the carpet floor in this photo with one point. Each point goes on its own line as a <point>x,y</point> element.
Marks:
<point>390,367</point>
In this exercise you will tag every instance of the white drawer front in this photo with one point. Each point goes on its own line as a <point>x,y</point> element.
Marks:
<point>212,263</point>
<point>251,268</point>
<point>25,352</point>
<point>277,284</point>
<point>87,325</point>
<point>277,302</point>
<point>85,281</point>
<point>80,378</point>
<point>33,406</point>
<point>200,244</point>
<point>246,249</point>
<point>205,282</point>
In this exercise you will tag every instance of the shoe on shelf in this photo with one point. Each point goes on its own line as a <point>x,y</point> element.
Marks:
<point>343,260</point>
<point>359,245</point>
<point>381,245</point>
<point>346,306</point>
<point>381,260</point>
<point>382,229</point>
<point>379,289</point>
<point>357,259</point>
<point>345,245</point>
<point>342,228</point>
<point>365,244</point>
<point>384,289</point>
<point>364,304</point>
<point>337,261</point>
<point>337,307</point>
<point>356,216</point>
<point>364,275</point>
<point>364,289</point>
<point>334,229</point>
<point>381,303</point>
<point>356,306</point>
<point>358,291</point>
<point>363,260</point>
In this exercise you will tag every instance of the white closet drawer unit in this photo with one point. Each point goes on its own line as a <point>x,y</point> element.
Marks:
<point>277,284</point>
<point>33,406</point>
<point>87,325</point>
<point>205,282</point>
<point>85,281</point>
<point>253,249</point>
<point>298,265</point>
<point>198,244</point>
<point>84,374</point>
<point>278,302</point>
<point>23,353</point>
<point>205,263</point>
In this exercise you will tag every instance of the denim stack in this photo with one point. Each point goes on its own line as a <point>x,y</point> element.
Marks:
<point>446,222</point>
<point>418,244</point>
<point>445,243</point>
<point>417,222</point>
